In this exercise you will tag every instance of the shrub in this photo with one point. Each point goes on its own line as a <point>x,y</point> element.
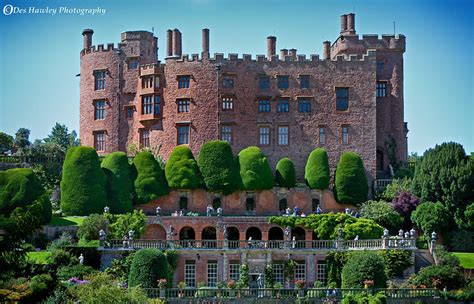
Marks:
<point>40,286</point>
<point>182,171</point>
<point>119,269</point>
<point>285,174</point>
<point>150,183</point>
<point>383,214</point>
<point>255,170</point>
<point>316,173</point>
<point>147,267</point>
<point>438,277</point>
<point>362,266</point>
<point>405,203</point>
<point>396,261</point>
<point>64,273</point>
<point>119,182</point>
<point>351,181</point>
<point>121,224</point>
<point>218,167</point>
<point>46,208</point>
<point>83,182</point>
<point>335,262</point>
<point>90,227</point>
<point>430,217</point>
<point>364,228</point>
<point>394,188</point>
<point>363,298</point>
<point>61,257</point>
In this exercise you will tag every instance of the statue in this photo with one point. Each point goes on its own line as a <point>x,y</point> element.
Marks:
<point>400,233</point>
<point>219,211</point>
<point>287,233</point>
<point>158,211</point>
<point>287,211</point>
<point>125,241</point>
<point>209,210</point>
<point>412,233</point>
<point>81,259</point>
<point>407,235</point>
<point>356,238</point>
<point>102,237</point>
<point>226,233</point>
<point>340,233</point>
<point>434,236</point>
<point>131,234</point>
<point>106,209</point>
<point>385,234</point>
<point>260,281</point>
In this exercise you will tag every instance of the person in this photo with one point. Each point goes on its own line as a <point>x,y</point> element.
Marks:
<point>356,238</point>
<point>209,210</point>
<point>348,211</point>
<point>318,210</point>
<point>219,211</point>
<point>296,211</point>
<point>181,212</point>
<point>303,214</point>
<point>250,242</point>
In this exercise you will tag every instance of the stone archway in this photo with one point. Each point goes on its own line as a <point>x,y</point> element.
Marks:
<point>275,237</point>
<point>187,235</point>
<point>299,236</point>
<point>209,237</point>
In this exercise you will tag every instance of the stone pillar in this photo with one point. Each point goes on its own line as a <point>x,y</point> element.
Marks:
<point>271,46</point>
<point>225,268</point>
<point>310,268</point>
<point>205,43</point>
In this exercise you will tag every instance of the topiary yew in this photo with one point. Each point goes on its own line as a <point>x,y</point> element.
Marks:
<point>255,170</point>
<point>351,181</point>
<point>150,183</point>
<point>285,174</point>
<point>316,172</point>
<point>364,266</point>
<point>119,182</point>
<point>182,171</point>
<point>148,266</point>
<point>83,183</point>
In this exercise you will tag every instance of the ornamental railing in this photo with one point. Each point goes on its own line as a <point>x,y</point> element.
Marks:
<point>381,184</point>
<point>374,244</point>
<point>311,293</point>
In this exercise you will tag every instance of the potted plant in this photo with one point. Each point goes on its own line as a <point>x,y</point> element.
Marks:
<point>231,285</point>
<point>181,286</point>
<point>300,284</point>
<point>162,283</point>
<point>278,287</point>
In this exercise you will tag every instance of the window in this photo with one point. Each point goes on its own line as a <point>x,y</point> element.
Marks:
<point>130,111</point>
<point>380,65</point>
<point>345,134</point>
<point>304,104</point>
<point>183,105</point>
<point>183,135</point>
<point>300,271</point>
<point>283,105</point>
<point>99,79</point>
<point>211,274</point>
<point>234,270</point>
<point>99,109</point>
<point>99,141</point>
<point>133,64</point>
<point>304,82</point>
<point>183,82</point>
<point>283,82</point>
<point>381,89</point>
<point>264,105</point>
<point>147,104</point>
<point>226,134</point>
<point>278,273</point>
<point>157,106</point>
<point>190,273</point>
<point>228,82</point>
<point>322,135</point>
<point>147,82</point>
<point>283,136</point>
<point>264,135</point>
<point>321,272</point>
<point>264,82</point>
<point>227,103</point>
<point>144,138</point>
<point>157,81</point>
<point>342,99</point>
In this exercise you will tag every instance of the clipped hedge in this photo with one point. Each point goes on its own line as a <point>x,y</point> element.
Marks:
<point>182,171</point>
<point>285,174</point>
<point>119,182</point>
<point>351,181</point>
<point>361,266</point>
<point>218,167</point>
<point>255,171</point>
<point>148,266</point>
<point>150,183</point>
<point>316,172</point>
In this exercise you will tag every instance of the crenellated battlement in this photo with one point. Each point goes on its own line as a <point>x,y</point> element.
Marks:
<point>356,44</point>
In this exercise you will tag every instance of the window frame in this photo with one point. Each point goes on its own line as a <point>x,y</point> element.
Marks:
<point>212,273</point>
<point>100,77</point>
<point>184,81</point>
<point>264,82</point>
<point>227,103</point>
<point>179,134</point>
<point>102,143</point>
<point>300,271</point>
<point>147,104</point>
<point>190,273</point>
<point>345,134</point>
<point>342,102</point>
<point>144,141</point>
<point>183,105</point>
<point>133,67</point>
<point>381,89</point>
<point>305,79</point>
<point>304,104</point>
<point>264,105</point>
<point>228,133</point>
<point>283,103</point>
<point>99,113</point>
<point>322,135</point>
<point>234,270</point>
<point>228,82</point>
<point>267,135</point>
<point>283,82</point>
<point>281,135</point>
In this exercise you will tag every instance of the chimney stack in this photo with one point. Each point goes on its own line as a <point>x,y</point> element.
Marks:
<point>271,46</point>
<point>177,47</point>
<point>327,50</point>
<point>283,53</point>
<point>351,24</point>
<point>293,54</point>
<point>205,43</point>
<point>169,43</point>
<point>87,33</point>
<point>343,24</point>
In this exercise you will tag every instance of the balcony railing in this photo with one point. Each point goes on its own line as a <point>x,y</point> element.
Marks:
<point>375,244</point>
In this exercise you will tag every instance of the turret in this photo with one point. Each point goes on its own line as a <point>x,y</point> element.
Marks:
<point>87,33</point>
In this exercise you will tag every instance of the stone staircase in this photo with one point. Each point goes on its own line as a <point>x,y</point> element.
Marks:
<point>423,258</point>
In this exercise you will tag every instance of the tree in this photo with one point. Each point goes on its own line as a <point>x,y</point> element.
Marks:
<point>394,188</point>
<point>19,187</point>
<point>351,181</point>
<point>218,167</point>
<point>362,266</point>
<point>62,138</point>
<point>119,183</point>
<point>430,217</point>
<point>182,171</point>
<point>148,266</point>
<point>22,140</point>
<point>383,214</point>
<point>83,183</point>
<point>255,170</point>
<point>285,174</point>
<point>316,173</point>
<point>405,203</point>
<point>438,276</point>
<point>6,142</point>
<point>90,227</point>
<point>150,183</point>
<point>364,228</point>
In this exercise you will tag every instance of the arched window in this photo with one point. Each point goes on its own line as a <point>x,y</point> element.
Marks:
<point>209,237</point>
<point>299,236</point>
<point>283,205</point>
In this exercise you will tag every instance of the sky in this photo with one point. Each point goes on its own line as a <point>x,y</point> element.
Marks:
<point>39,52</point>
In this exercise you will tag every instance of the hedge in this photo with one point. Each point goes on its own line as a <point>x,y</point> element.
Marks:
<point>255,171</point>
<point>182,171</point>
<point>285,174</point>
<point>361,266</point>
<point>18,188</point>
<point>119,182</point>
<point>218,167</point>
<point>83,182</point>
<point>150,183</point>
<point>148,266</point>
<point>316,171</point>
<point>351,181</point>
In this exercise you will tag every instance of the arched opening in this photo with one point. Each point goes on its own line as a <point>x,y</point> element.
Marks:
<point>253,236</point>
<point>187,237</point>
<point>250,203</point>
<point>283,204</point>
<point>275,237</point>
<point>298,237</point>
<point>209,237</point>
<point>183,202</point>
<point>233,236</point>
<point>154,232</point>
<point>315,238</point>
<point>216,202</point>
<point>314,204</point>
<point>379,159</point>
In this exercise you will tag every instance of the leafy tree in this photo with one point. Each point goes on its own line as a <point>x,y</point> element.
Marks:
<point>119,183</point>
<point>405,203</point>
<point>90,227</point>
<point>362,266</point>
<point>150,183</point>
<point>218,167</point>
<point>469,216</point>
<point>61,137</point>
<point>6,142</point>
<point>351,181</point>
<point>19,187</point>
<point>285,174</point>
<point>121,224</point>
<point>22,139</point>
<point>83,183</point>
<point>148,266</point>
<point>335,262</point>
<point>316,172</point>
<point>255,170</point>
<point>182,171</point>
<point>364,228</point>
<point>430,217</point>
<point>396,261</point>
<point>383,214</point>
<point>395,187</point>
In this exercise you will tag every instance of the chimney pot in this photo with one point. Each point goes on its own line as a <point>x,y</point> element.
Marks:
<point>205,43</point>
<point>169,43</point>
<point>327,50</point>
<point>177,46</point>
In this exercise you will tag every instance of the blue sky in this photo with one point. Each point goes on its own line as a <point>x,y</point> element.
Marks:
<point>39,53</point>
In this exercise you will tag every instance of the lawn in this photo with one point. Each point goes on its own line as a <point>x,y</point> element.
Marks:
<point>466,259</point>
<point>67,221</point>
<point>38,257</point>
